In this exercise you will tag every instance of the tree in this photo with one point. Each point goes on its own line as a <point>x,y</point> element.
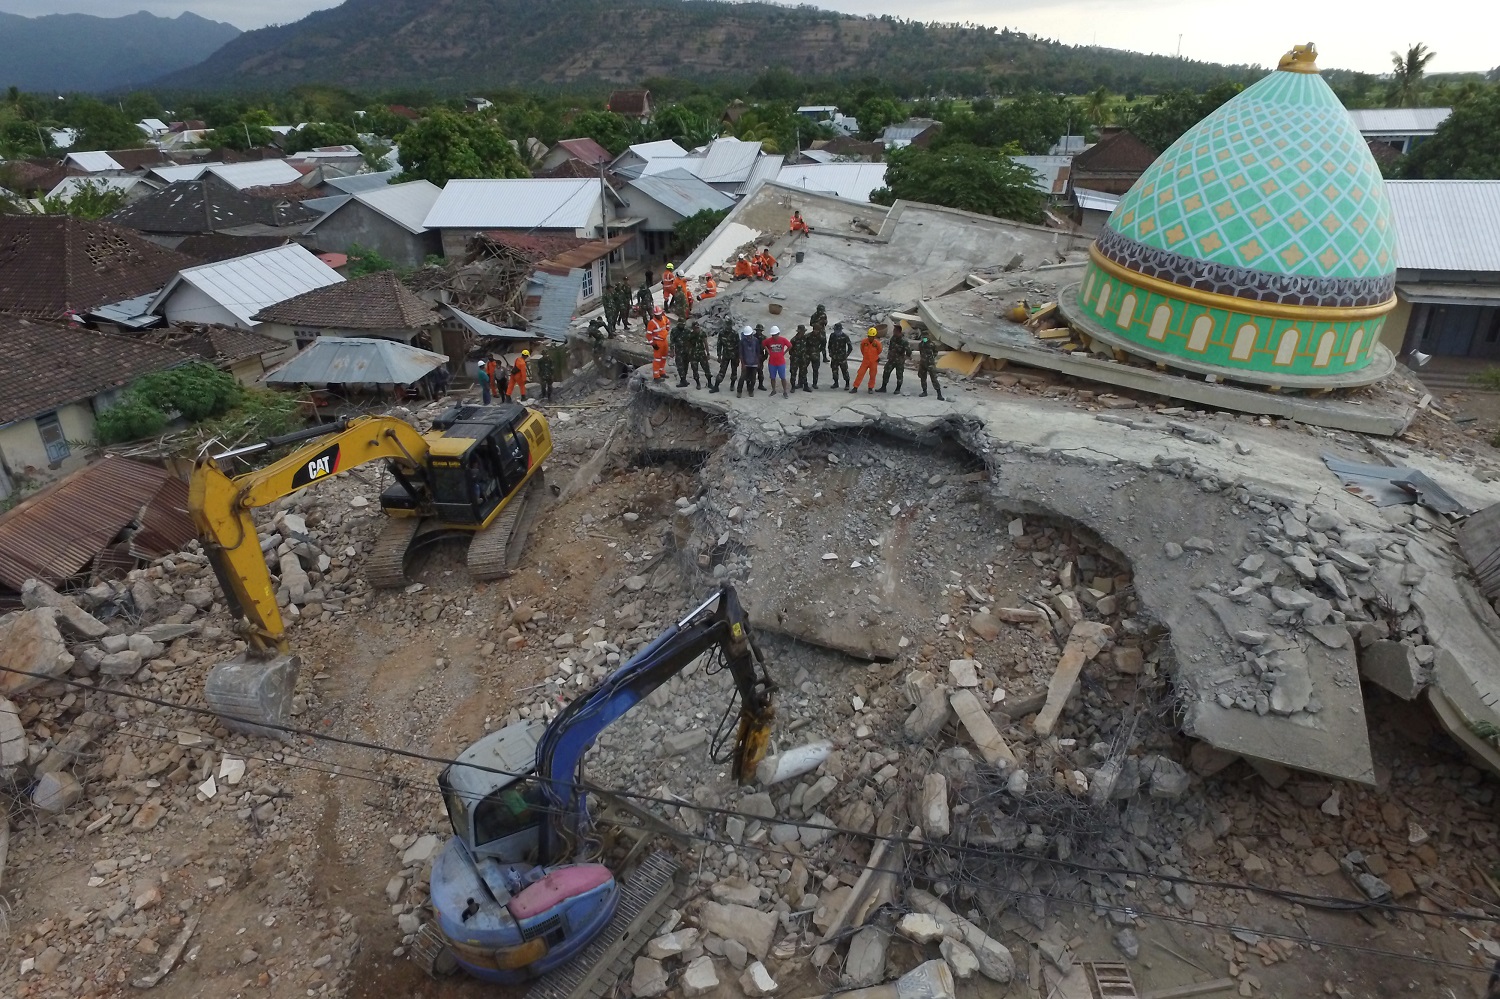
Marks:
<point>251,130</point>
<point>100,125</point>
<point>605,127</point>
<point>20,139</point>
<point>1163,121</point>
<point>89,201</point>
<point>685,128</point>
<point>1406,80</point>
<point>875,114</point>
<point>363,260</point>
<point>319,133</point>
<point>1466,145</point>
<point>1097,107</point>
<point>984,181</point>
<point>444,146</point>
<point>688,233</point>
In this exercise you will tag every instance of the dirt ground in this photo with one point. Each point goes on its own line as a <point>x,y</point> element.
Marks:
<point>316,884</point>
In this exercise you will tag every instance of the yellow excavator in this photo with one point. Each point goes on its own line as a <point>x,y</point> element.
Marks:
<point>476,474</point>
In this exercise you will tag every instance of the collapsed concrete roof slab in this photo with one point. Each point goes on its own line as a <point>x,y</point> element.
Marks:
<point>1140,483</point>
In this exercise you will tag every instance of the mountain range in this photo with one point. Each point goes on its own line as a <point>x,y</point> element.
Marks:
<point>454,45</point>
<point>81,52</point>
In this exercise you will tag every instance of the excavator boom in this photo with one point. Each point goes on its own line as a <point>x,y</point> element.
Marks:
<point>221,505</point>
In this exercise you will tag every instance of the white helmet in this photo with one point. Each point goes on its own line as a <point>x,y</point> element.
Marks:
<point>775,331</point>
<point>747,331</point>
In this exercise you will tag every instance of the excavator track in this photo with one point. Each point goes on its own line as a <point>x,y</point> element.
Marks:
<point>430,952</point>
<point>595,970</point>
<point>495,551</point>
<point>386,566</point>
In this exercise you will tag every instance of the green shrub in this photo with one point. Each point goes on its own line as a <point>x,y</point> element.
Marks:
<point>1488,379</point>
<point>197,391</point>
<point>130,419</point>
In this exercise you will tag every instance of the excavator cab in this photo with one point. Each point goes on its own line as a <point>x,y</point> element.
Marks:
<point>495,804</point>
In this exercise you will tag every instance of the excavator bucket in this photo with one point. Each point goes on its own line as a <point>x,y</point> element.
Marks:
<point>254,696</point>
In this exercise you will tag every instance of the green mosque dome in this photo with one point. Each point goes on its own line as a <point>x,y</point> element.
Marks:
<point>1260,246</point>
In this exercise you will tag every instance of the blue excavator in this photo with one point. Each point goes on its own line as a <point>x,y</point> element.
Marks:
<point>515,893</point>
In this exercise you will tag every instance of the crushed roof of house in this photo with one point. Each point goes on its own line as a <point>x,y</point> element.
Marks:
<point>1051,171</point>
<point>253,173</point>
<point>207,205</point>
<point>378,301</point>
<point>139,159</point>
<point>245,285</point>
<point>407,204</point>
<point>682,193</point>
<point>851,181</point>
<point>361,181</point>
<point>212,341</point>
<point>533,245</point>
<point>51,264</point>
<point>629,102</point>
<point>1399,121</point>
<point>94,162</point>
<point>586,151</point>
<point>1121,151</point>
<point>1446,225</point>
<point>45,365</point>
<point>357,360</point>
<point>55,534</point>
<point>70,186</point>
<point>515,204</point>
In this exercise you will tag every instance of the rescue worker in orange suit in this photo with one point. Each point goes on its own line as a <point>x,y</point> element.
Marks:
<point>669,285</point>
<point>490,369</point>
<point>656,336</point>
<point>767,265</point>
<point>869,353</point>
<point>517,386</point>
<point>743,269</point>
<point>710,288</point>
<point>798,225</point>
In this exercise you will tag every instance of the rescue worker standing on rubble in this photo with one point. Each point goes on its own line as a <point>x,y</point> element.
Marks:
<point>896,353</point>
<point>643,299</point>
<point>697,342</point>
<point>677,342</point>
<point>682,301</point>
<point>817,343</point>
<point>621,292</point>
<point>750,355</point>
<point>544,373</point>
<point>596,341</point>
<point>760,365</point>
<point>669,285</point>
<point>611,309</point>
<point>839,349</point>
<point>482,376</point>
<point>727,349</point>
<point>869,353</point>
<point>517,387</point>
<point>927,364</point>
<point>656,336</point>
<point>800,359</point>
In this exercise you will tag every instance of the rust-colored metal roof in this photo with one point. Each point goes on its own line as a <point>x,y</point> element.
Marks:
<point>582,256</point>
<point>55,534</point>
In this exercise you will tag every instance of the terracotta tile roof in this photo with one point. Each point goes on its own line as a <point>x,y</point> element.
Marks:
<point>630,102</point>
<point>403,111</point>
<point>51,264</point>
<point>207,205</point>
<point>211,247</point>
<point>537,246</point>
<point>46,365</point>
<point>32,178</point>
<point>586,150</point>
<point>374,302</point>
<point>577,170</point>
<point>1120,151</point>
<point>221,345</point>
<point>139,159</point>
<point>293,191</point>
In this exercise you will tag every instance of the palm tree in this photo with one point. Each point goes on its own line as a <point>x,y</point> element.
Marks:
<point>1406,80</point>
<point>1097,107</point>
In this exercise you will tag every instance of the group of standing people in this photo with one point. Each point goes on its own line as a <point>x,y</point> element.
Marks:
<point>505,380</point>
<point>677,299</point>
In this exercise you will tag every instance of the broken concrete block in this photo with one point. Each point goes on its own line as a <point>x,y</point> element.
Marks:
<point>933,980</point>
<point>964,672</point>
<point>751,927</point>
<point>699,977</point>
<point>1292,600</point>
<point>13,750</point>
<point>70,617</point>
<point>31,644</point>
<point>865,964</point>
<point>672,944</point>
<point>929,716</point>
<point>1208,760</point>
<point>793,762</point>
<point>1292,690</point>
<point>1086,640</point>
<point>971,714</point>
<point>935,817</point>
<point>985,625</point>
<point>920,927</point>
<point>649,978</point>
<point>127,663</point>
<point>1168,778</point>
<point>56,792</point>
<point>1019,615</point>
<point>1334,580</point>
<point>1393,666</point>
<point>1069,612</point>
<point>757,982</point>
<point>961,960</point>
<point>995,961</point>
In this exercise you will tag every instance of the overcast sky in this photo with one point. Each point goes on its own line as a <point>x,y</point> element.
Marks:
<point>1351,34</point>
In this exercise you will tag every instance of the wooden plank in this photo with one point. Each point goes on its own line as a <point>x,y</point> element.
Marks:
<point>960,361</point>
<point>1196,989</point>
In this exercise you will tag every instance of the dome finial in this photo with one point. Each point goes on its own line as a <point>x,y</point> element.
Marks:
<point>1302,59</point>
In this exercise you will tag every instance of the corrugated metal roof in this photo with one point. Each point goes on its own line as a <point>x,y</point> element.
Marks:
<point>682,193</point>
<point>585,150</point>
<point>480,327</point>
<point>1399,121</point>
<point>729,161</point>
<point>328,204</point>
<point>852,181</point>
<point>153,124</point>
<point>256,173</point>
<point>1446,225</point>
<point>766,168</point>
<point>406,204</point>
<point>55,534</point>
<point>95,162</point>
<point>558,298</point>
<point>132,312</point>
<point>362,181</point>
<point>668,164</point>
<point>515,204</point>
<point>1098,201</point>
<point>245,285</point>
<point>182,171</point>
<point>1051,171</point>
<point>1449,294</point>
<point>656,150</point>
<point>356,360</point>
<point>72,185</point>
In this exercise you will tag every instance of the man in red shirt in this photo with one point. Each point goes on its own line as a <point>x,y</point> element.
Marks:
<point>778,349</point>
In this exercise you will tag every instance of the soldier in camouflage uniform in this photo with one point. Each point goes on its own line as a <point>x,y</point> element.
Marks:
<point>896,353</point>
<point>817,343</point>
<point>643,297</point>
<point>596,341</point>
<point>927,364</point>
<point>544,373</point>
<point>760,369</point>
<point>800,359</point>
<point>621,292</point>
<point>682,303</point>
<point>611,308</point>
<point>839,349</point>
<point>697,347</point>
<point>727,348</point>
<point>677,343</point>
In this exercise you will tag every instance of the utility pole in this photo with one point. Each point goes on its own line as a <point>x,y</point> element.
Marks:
<point>604,214</point>
<point>1179,46</point>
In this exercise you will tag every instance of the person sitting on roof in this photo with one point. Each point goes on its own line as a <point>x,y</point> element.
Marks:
<point>710,287</point>
<point>743,269</point>
<point>798,225</point>
<point>767,265</point>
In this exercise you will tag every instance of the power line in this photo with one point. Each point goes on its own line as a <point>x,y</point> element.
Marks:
<point>1326,901</point>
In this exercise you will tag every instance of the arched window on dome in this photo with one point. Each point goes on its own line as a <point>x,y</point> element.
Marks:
<point>1127,312</point>
<point>1355,342</point>
<point>1088,289</point>
<point>1286,349</point>
<point>1325,349</point>
<point>1159,320</point>
<point>1244,343</point>
<point>1203,328</point>
<point>1103,302</point>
